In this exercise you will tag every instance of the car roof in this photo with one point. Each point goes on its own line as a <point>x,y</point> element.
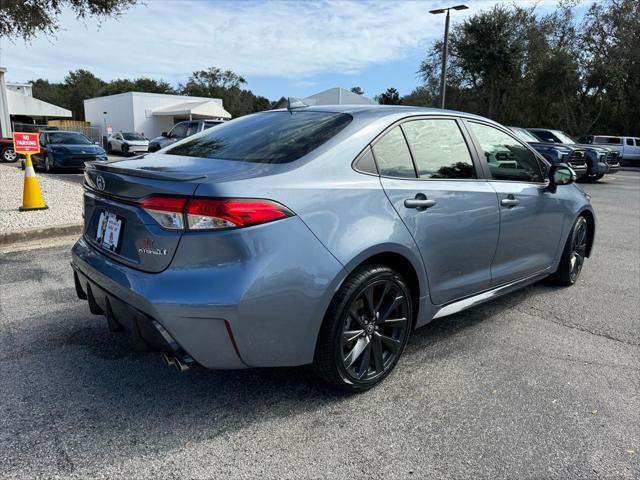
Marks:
<point>381,111</point>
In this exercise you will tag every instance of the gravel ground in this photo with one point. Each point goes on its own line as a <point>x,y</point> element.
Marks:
<point>62,194</point>
<point>543,383</point>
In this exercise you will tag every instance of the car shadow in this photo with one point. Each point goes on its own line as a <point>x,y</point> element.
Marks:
<point>94,383</point>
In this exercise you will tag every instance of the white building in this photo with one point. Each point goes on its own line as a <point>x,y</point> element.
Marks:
<point>338,96</point>
<point>17,104</point>
<point>149,113</point>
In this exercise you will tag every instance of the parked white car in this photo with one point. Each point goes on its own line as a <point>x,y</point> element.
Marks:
<point>629,147</point>
<point>127,143</point>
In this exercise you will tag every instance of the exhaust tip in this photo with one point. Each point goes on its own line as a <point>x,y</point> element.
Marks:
<point>168,360</point>
<point>180,366</point>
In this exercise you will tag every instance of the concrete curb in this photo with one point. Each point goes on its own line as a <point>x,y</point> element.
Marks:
<point>40,233</point>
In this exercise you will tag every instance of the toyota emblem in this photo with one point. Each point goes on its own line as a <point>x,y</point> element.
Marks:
<point>100,182</point>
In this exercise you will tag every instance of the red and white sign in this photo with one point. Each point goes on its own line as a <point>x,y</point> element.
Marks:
<point>25,142</point>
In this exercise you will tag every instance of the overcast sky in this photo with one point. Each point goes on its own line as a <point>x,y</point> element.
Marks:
<point>289,48</point>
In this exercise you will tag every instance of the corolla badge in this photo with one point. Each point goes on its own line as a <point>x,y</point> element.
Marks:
<point>100,183</point>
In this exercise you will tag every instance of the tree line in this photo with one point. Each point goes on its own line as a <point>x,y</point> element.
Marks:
<point>520,68</point>
<point>80,85</point>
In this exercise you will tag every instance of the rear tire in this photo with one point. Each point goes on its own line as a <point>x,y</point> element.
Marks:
<point>573,254</point>
<point>365,329</point>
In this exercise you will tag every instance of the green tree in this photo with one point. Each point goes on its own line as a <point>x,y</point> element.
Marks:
<point>390,97</point>
<point>78,86</point>
<point>226,85</point>
<point>29,18</point>
<point>148,85</point>
<point>357,90</point>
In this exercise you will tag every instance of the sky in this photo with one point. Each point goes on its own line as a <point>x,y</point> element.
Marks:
<point>282,48</point>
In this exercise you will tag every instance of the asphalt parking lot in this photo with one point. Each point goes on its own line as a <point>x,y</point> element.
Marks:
<point>543,383</point>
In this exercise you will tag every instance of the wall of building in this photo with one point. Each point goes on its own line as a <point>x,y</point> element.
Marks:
<point>119,114</point>
<point>152,126</point>
<point>132,112</point>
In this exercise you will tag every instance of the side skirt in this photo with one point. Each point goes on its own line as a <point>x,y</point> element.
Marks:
<point>479,298</point>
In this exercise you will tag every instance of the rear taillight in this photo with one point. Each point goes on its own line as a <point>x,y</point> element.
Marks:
<point>180,213</point>
<point>167,211</point>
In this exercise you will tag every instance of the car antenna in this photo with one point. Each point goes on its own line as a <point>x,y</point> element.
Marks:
<point>293,103</point>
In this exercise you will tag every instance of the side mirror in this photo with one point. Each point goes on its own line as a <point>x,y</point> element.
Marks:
<point>560,174</point>
<point>164,134</point>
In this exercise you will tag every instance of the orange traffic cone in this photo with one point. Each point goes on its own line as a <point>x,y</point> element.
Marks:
<point>32,198</point>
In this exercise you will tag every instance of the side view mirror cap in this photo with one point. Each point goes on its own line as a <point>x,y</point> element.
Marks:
<point>560,174</point>
<point>164,134</point>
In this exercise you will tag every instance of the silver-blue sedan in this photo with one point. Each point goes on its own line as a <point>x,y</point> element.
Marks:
<point>322,235</point>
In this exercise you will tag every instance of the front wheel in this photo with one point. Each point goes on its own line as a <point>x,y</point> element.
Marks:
<point>365,329</point>
<point>8,154</point>
<point>573,255</point>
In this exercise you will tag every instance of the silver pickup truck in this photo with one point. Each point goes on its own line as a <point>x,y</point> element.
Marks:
<point>628,147</point>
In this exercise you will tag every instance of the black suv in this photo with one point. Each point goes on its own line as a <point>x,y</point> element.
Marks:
<point>179,131</point>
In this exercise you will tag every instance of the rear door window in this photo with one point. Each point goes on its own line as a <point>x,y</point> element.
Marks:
<point>392,155</point>
<point>507,158</point>
<point>268,137</point>
<point>439,149</point>
<point>630,141</point>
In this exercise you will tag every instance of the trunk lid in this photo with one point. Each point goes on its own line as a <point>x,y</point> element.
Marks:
<point>116,187</point>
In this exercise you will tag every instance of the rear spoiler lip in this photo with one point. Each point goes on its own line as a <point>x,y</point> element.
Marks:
<point>133,172</point>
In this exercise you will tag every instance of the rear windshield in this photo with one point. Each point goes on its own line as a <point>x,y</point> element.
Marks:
<point>269,137</point>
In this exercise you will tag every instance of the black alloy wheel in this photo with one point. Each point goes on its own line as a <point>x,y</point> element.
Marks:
<point>574,253</point>
<point>124,148</point>
<point>365,330</point>
<point>578,248</point>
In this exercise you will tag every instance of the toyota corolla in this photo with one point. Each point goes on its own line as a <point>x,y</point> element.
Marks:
<point>322,236</point>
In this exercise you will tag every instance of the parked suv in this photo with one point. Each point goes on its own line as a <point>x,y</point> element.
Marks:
<point>600,160</point>
<point>179,131</point>
<point>322,235</point>
<point>572,155</point>
<point>628,147</point>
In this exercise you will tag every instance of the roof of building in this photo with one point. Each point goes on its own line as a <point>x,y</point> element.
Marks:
<point>199,109</point>
<point>20,104</point>
<point>337,96</point>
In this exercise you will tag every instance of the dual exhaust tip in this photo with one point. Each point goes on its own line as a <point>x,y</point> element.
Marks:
<point>173,361</point>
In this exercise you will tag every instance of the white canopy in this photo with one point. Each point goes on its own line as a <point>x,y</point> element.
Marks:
<point>20,104</point>
<point>202,109</point>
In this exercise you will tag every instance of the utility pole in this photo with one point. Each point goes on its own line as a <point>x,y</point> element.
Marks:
<point>445,49</point>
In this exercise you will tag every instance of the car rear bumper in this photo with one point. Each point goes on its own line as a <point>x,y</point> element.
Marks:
<point>264,308</point>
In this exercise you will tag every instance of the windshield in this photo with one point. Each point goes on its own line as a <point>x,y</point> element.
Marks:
<point>132,136</point>
<point>563,137</point>
<point>522,134</point>
<point>68,138</point>
<point>269,137</point>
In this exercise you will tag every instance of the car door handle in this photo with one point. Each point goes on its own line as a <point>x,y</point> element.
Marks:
<point>420,203</point>
<point>509,201</point>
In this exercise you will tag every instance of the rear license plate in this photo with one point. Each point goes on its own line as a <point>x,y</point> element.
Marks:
<point>108,233</point>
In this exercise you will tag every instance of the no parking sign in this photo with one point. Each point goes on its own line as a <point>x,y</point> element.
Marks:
<point>25,142</point>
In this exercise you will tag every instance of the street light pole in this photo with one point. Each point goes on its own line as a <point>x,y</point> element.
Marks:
<point>445,49</point>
